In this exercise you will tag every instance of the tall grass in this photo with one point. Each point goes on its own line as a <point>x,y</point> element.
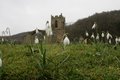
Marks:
<point>0,66</point>
<point>51,62</point>
<point>47,68</point>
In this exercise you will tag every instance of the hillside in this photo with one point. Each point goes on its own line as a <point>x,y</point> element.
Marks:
<point>106,21</point>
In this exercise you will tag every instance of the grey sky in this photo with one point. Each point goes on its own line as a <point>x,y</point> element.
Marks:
<point>26,15</point>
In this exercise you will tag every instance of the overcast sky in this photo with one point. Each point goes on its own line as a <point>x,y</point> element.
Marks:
<point>26,15</point>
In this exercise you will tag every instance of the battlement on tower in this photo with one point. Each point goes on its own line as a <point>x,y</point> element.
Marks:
<point>58,27</point>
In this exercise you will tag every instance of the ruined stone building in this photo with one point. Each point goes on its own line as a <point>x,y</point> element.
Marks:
<point>58,28</point>
<point>30,36</point>
<point>27,37</point>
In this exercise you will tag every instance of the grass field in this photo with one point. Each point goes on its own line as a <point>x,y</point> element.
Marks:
<point>52,62</point>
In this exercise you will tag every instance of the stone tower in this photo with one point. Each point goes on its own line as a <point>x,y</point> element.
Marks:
<point>58,28</point>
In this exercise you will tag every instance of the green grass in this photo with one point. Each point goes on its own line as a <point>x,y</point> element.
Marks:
<point>75,62</point>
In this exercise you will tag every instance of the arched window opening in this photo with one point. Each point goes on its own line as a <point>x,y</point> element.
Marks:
<point>56,23</point>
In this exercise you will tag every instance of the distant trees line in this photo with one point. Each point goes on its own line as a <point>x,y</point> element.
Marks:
<point>106,21</point>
